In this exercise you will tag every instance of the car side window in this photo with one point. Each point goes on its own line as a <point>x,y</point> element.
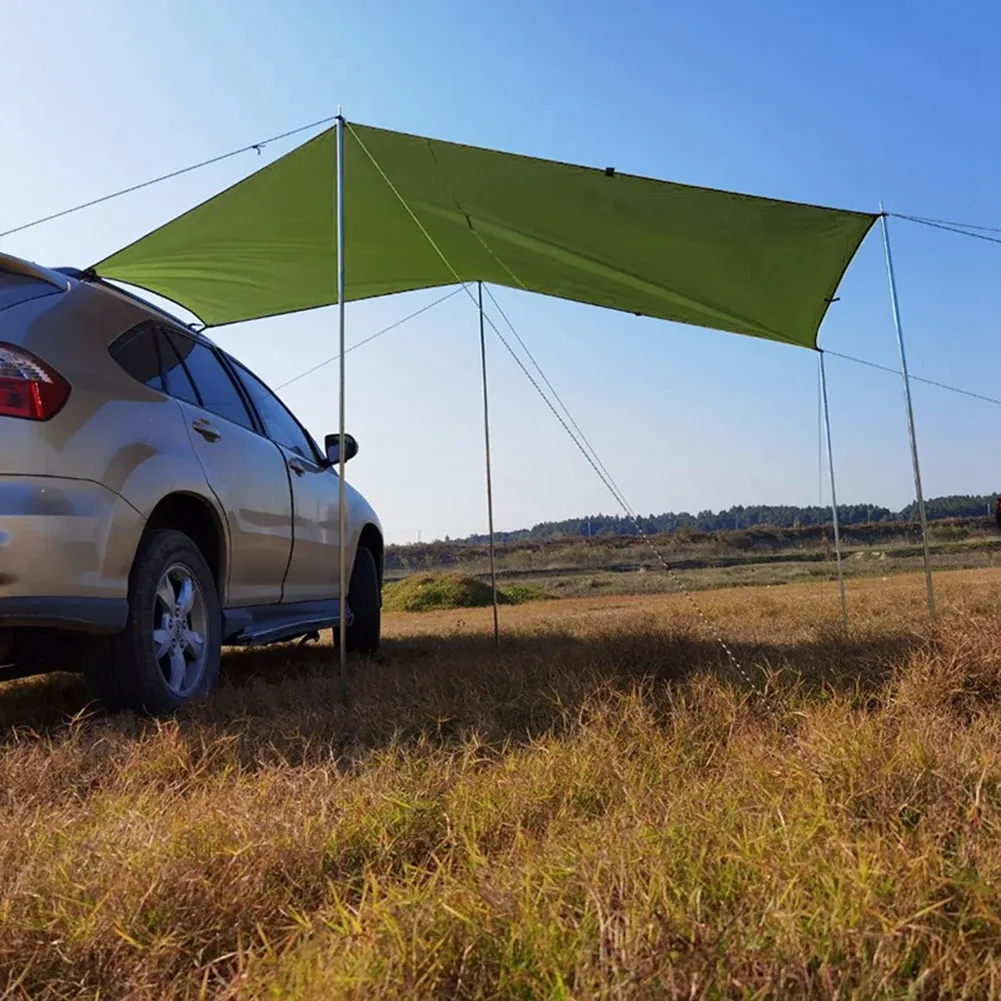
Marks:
<point>136,351</point>
<point>280,425</point>
<point>176,381</point>
<point>216,389</point>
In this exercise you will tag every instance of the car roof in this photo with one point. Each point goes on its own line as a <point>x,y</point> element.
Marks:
<point>64,279</point>
<point>156,311</point>
<point>95,280</point>
<point>51,276</point>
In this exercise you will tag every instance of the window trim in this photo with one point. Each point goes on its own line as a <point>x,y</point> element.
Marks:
<point>136,330</point>
<point>256,424</point>
<point>236,366</point>
<point>232,370</point>
<point>163,329</point>
<point>159,330</point>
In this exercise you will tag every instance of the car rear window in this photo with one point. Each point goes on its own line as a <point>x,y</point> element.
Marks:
<point>15,289</point>
<point>136,352</point>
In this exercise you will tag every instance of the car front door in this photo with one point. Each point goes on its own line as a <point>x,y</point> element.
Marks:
<point>313,572</point>
<point>244,469</point>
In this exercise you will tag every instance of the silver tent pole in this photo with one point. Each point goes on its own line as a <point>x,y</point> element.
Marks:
<point>834,496</point>
<point>910,409</point>
<point>342,512</point>
<point>490,486</point>
<point>820,437</point>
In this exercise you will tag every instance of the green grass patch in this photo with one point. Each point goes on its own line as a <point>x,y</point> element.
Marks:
<point>429,592</point>
<point>518,594</point>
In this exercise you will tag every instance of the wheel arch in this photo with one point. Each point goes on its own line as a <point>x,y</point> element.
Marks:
<point>371,539</point>
<point>197,518</point>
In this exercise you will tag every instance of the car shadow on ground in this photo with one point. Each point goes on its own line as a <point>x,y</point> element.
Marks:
<point>447,688</point>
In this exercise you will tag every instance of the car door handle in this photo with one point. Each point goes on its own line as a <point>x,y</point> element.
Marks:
<point>206,430</point>
<point>296,466</point>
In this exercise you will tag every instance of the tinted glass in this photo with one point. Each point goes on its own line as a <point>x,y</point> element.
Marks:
<point>217,390</point>
<point>279,424</point>
<point>136,352</point>
<point>176,381</point>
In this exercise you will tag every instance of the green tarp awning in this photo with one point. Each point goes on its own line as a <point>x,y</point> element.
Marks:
<point>421,213</point>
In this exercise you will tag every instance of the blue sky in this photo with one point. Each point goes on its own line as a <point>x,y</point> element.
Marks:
<point>836,103</point>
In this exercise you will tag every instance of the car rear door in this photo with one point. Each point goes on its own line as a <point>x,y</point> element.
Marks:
<point>313,572</point>
<point>245,470</point>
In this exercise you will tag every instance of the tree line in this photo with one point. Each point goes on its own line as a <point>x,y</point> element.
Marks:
<point>738,517</point>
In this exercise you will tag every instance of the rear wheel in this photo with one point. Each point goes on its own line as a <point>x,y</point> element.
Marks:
<point>168,655</point>
<point>365,602</point>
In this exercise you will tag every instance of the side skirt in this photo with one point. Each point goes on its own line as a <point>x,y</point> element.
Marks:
<point>259,625</point>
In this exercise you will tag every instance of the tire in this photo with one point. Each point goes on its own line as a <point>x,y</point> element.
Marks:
<point>365,602</point>
<point>168,655</point>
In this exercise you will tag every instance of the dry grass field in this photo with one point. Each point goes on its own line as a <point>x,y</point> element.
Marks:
<point>603,809</point>
<point>614,565</point>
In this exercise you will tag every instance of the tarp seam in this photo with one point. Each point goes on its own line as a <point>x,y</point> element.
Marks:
<point>469,220</point>
<point>406,205</point>
<point>594,265</point>
<point>672,294</point>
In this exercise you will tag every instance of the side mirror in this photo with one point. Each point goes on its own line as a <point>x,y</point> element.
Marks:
<point>332,444</point>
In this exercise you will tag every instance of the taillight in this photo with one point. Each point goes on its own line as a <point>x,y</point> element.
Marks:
<point>29,388</point>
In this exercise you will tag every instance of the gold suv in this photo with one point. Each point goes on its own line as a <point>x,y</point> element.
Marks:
<point>157,498</point>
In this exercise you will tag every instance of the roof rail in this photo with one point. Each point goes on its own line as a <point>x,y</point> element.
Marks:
<point>93,278</point>
<point>16,266</point>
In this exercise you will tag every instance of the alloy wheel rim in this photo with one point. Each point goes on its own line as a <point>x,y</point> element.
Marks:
<point>180,620</point>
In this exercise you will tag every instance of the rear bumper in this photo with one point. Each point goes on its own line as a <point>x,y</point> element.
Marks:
<point>66,550</point>
<point>85,615</point>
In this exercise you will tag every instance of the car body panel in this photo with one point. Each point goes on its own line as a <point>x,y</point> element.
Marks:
<point>313,569</point>
<point>98,616</point>
<point>61,537</point>
<point>247,475</point>
<point>106,411</point>
<point>76,491</point>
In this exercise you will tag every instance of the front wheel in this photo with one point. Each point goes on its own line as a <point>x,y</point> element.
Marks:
<point>365,602</point>
<point>169,653</point>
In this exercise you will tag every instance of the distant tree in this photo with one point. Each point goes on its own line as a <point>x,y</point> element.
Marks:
<point>744,517</point>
